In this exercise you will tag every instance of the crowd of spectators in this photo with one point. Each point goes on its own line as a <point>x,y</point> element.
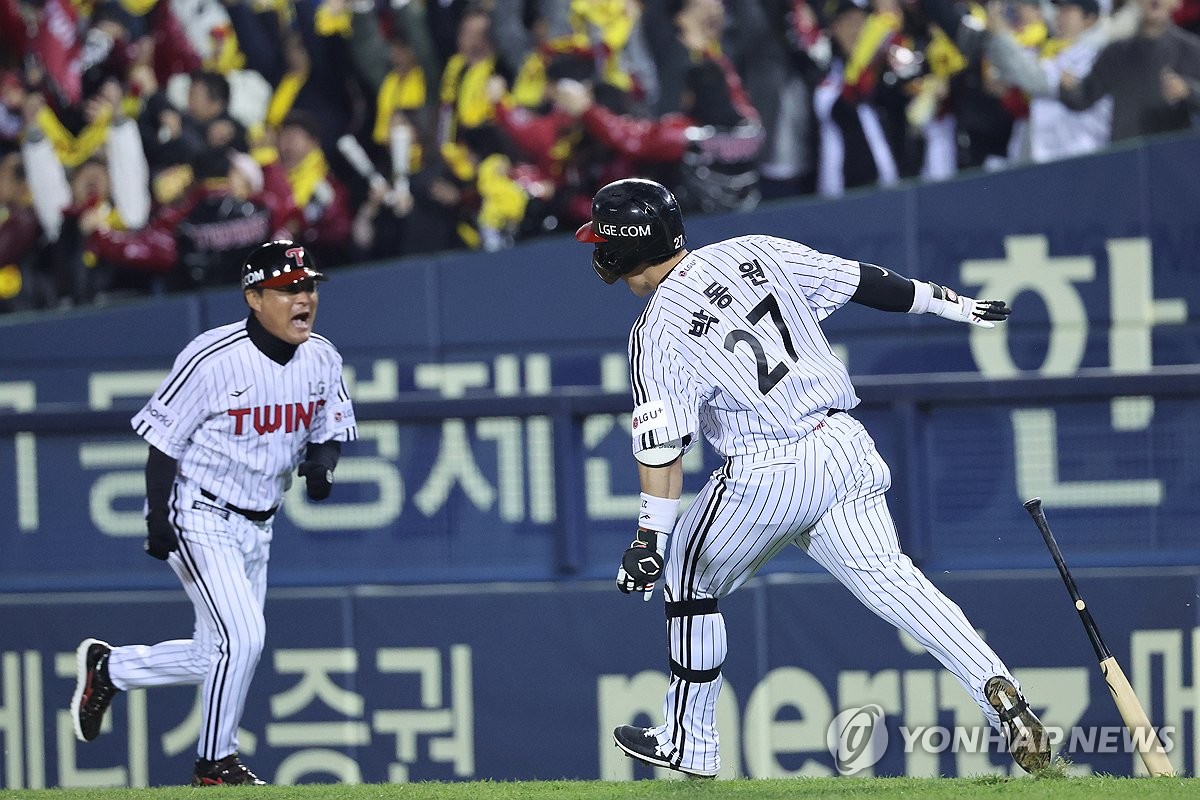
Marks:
<point>145,145</point>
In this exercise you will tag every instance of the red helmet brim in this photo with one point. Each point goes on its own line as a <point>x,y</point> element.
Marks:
<point>288,277</point>
<point>587,233</point>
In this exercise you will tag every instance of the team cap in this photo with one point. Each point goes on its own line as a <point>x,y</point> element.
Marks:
<point>277,264</point>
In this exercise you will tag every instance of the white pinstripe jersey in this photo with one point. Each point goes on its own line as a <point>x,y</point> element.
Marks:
<point>238,422</point>
<point>729,345</point>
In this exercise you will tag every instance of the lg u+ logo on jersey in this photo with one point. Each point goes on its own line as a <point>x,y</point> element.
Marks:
<point>649,416</point>
<point>286,417</point>
<point>644,418</point>
<point>857,738</point>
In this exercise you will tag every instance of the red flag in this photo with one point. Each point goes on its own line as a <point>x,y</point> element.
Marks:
<point>58,47</point>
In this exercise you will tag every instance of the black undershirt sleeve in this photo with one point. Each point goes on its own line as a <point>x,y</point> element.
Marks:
<point>883,289</point>
<point>160,476</point>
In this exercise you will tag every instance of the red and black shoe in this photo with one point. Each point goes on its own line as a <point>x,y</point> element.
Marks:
<point>228,771</point>
<point>93,689</point>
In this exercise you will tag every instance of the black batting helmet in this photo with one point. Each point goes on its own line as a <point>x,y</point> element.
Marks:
<point>634,221</point>
<point>277,264</point>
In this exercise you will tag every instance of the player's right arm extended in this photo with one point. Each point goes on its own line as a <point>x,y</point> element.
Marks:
<point>887,291</point>
<point>161,539</point>
<point>642,563</point>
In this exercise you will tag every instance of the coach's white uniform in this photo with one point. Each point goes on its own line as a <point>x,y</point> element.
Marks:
<point>238,423</point>
<point>730,346</point>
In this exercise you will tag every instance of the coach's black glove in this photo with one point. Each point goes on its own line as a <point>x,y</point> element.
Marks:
<point>641,565</point>
<point>318,479</point>
<point>161,540</point>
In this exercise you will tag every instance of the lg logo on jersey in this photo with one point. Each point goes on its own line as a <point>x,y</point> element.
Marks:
<point>289,417</point>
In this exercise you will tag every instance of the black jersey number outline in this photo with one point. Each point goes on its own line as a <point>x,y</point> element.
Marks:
<point>768,377</point>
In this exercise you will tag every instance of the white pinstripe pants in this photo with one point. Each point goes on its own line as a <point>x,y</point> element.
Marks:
<point>824,494</point>
<point>222,564</point>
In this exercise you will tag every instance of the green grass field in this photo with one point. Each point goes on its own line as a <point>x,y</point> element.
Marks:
<point>1049,788</point>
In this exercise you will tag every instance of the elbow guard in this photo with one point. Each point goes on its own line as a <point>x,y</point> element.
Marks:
<point>662,454</point>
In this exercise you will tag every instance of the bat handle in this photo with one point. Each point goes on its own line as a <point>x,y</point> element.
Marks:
<point>1034,507</point>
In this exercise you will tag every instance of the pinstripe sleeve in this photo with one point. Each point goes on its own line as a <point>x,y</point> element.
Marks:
<point>665,404</point>
<point>827,282</point>
<point>338,420</point>
<point>178,407</point>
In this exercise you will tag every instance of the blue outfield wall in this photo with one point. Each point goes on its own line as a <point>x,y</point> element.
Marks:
<point>512,682</point>
<point>1099,256</point>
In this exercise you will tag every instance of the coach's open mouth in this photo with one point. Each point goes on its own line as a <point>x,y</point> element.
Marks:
<point>302,320</point>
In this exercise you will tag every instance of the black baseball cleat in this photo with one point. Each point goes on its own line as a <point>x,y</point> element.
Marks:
<point>1027,739</point>
<point>228,771</point>
<point>642,744</point>
<point>93,690</point>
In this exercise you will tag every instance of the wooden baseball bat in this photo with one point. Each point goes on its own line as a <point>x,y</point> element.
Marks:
<point>1130,708</point>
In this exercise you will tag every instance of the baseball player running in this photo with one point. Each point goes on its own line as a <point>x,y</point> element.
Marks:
<point>730,345</point>
<point>244,405</point>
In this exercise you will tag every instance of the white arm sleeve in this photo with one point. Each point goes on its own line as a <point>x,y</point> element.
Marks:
<point>47,184</point>
<point>130,173</point>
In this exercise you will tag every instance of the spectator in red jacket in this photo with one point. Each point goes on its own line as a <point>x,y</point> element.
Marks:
<point>561,164</point>
<point>200,241</point>
<point>708,154</point>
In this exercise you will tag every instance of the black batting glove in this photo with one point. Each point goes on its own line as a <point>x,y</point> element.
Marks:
<point>954,306</point>
<point>641,565</point>
<point>992,310</point>
<point>318,478</point>
<point>161,539</point>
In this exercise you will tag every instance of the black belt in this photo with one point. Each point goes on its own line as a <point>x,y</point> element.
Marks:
<point>253,516</point>
<point>833,411</point>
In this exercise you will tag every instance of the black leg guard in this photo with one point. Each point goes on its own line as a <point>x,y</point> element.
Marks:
<point>685,611</point>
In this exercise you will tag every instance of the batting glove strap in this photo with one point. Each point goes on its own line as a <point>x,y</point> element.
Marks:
<point>932,298</point>
<point>641,565</point>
